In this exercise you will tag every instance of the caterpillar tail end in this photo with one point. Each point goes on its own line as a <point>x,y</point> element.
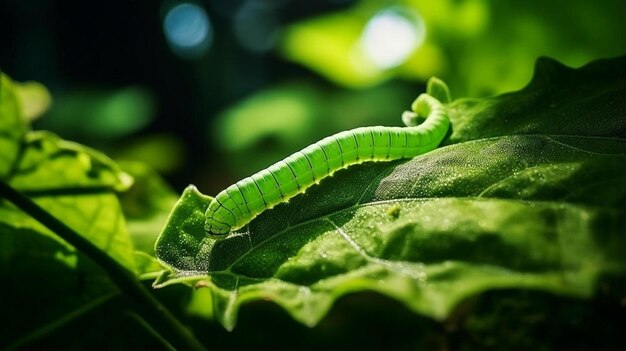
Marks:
<point>410,118</point>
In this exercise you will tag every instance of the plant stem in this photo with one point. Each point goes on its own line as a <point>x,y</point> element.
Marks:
<point>146,304</point>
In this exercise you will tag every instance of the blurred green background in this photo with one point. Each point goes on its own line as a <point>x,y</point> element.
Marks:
<point>210,91</point>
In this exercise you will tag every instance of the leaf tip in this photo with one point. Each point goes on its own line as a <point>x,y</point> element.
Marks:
<point>546,69</point>
<point>191,191</point>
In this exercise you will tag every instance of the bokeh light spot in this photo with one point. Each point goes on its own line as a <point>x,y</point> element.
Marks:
<point>391,36</point>
<point>256,26</point>
<point>188,30</point>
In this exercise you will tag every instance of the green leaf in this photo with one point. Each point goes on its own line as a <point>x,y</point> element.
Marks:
<point>51,287</point>
<point>559,100</point>
<point>528,194</point>
<point>74,183</point>
<point>51,164</point>
<point>56,283</point>
<point>12,128</point>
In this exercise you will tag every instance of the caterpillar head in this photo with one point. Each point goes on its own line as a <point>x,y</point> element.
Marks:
<point>216,229</point>
<point>219,220</point>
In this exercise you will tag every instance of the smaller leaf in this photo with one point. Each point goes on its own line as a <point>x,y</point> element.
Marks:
<point>49,163</point>
<point>12,126</point>
<point>34,99</point>
<point>76,184</point>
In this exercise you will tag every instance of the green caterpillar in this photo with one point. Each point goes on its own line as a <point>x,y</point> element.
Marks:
<point>241,202</point>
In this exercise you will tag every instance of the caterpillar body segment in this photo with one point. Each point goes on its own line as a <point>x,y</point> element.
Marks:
<point>241,202</point>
